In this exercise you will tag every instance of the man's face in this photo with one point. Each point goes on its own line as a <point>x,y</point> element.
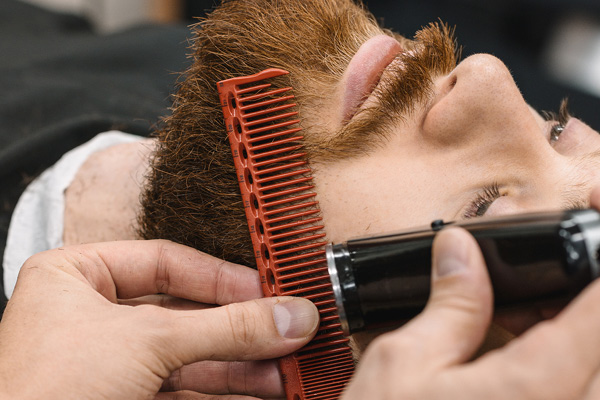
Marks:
<point>432,140</point>
<point>470,147</point>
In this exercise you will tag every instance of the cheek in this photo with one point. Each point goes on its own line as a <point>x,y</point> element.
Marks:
<point>373,196</point>
<point>354,206</point>
<point>354,197</point>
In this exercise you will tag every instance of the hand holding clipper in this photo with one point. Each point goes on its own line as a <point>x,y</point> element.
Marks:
<point>532,259</point>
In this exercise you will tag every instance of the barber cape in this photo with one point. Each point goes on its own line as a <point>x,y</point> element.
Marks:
<point>61,84</point>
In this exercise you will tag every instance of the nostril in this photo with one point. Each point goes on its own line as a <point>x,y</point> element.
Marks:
<point>446,86</point>
<point>453,81</point>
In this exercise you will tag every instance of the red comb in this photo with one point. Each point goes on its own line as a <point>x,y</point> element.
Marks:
<point>285,224</point>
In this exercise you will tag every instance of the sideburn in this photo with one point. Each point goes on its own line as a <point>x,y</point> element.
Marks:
<point>192,196</point>
<point>433,53</point>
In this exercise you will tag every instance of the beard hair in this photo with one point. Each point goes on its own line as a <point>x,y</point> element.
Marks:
<point>192,194</point>
<point>433,53</point>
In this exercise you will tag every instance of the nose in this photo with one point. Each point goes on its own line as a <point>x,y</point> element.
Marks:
<point>478,98</point>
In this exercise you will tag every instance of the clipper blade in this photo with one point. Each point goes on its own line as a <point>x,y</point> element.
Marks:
<point>285,224</point>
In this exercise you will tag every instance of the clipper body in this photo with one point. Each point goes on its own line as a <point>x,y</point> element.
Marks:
<point>533,259</point>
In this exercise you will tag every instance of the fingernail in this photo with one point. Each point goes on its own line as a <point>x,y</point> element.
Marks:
<point>448,266</point>
<point>452,255</point>
<point>295,318</point>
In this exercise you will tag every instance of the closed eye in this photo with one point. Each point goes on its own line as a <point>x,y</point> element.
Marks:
<point>479,206</point>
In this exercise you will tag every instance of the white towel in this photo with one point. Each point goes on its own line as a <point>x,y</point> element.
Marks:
<point>37,222</point>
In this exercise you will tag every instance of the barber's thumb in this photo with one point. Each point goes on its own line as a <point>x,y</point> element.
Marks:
<point>459,310</point>
<point>253,330</point>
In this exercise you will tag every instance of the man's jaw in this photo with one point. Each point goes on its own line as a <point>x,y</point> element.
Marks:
<point>364,71</point>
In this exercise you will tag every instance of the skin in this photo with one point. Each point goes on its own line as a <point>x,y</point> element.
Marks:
<point>70,330</point>
<point>69,296</point>
<point>428,358</point>
<point>475,130</point>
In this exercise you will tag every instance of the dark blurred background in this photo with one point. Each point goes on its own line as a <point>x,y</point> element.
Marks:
<point>552,47</point>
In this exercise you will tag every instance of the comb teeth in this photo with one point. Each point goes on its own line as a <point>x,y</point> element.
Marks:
<point>284,221</point>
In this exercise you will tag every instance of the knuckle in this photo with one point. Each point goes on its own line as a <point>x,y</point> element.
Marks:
<point>57,258</point>
<point>534,372</point>
<point>162,271</point>
<point>51,262</point>
<point>243,325</point>
<point>385,348</point>
<point>222,296</point>
<point>385,360</point>
<point>31,265</point>
<point>173,382</point>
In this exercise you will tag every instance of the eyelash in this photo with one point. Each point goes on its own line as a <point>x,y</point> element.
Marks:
<point>562,117</point>
<point>491,193</point>
<point>483,201</point>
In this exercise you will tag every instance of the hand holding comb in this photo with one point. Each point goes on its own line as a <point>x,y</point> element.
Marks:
<point>284,222</point>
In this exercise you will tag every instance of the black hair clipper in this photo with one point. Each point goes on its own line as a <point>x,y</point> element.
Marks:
<point>533,259</point>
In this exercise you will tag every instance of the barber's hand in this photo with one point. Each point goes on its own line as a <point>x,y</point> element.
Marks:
<point>64,334</point>
<point>429,358</point>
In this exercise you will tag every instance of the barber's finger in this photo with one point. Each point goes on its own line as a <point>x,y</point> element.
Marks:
<point>254,330</point>
<point>557,358</point>
<point>518,321</point>
<point>458,313</point>
<point>256,378</point>
<point>595,198</point>
<point>129,269</point>
<point>571,338</point>
<point>189,395</point>
<point>166,301</point>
